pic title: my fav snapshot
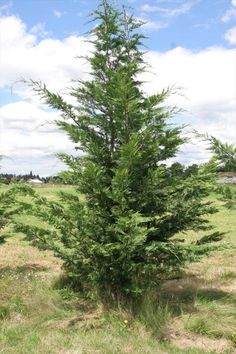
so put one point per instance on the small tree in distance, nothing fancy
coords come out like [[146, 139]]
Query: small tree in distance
[[115, 234], [224, 153]]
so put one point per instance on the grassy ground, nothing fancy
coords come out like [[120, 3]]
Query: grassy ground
[[194, 314]]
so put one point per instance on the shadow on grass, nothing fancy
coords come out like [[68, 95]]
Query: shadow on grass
[[21, 271], [70, 291], [180, 295], [3, 238], [177, 297]]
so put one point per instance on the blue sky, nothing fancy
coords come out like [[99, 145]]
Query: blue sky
[[193, 24], [191, 44]]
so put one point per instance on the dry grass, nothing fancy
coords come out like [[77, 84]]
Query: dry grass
[[17, 253], [37, 317], [204, 304]]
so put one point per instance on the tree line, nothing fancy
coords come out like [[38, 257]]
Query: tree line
[[8, 178]]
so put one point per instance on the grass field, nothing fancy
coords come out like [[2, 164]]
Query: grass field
[[194, 314]]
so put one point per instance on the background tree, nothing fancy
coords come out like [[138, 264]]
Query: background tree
[[224, 153], [191, 170], [115, 233], [225, 157], [177, 169]]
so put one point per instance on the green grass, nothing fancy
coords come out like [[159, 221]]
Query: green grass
[[194, 314]]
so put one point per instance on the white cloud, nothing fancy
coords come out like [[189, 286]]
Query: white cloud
[[52, 61], [207, 78], [58, 13], [169, 1], [5, 8], [230, 35], [13, 33], [207, 81], [25, 132], [182, 9], [150, 25], [30, 139], [149, 8], [27, 117], [39, 30], [154, 25], [229, 15]]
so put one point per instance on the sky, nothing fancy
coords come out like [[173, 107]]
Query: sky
[[191, 45]]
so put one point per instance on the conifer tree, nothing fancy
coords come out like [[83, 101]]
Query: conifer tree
[[115, 234], [224, 153]]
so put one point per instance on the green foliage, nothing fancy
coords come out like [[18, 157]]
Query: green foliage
[[213, 237], [8, 209], [228, 196], [115, 234], [224, 153], [225, 159]]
